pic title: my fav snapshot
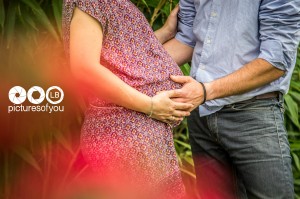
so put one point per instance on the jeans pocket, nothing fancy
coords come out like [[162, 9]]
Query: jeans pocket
[[265, 104], [280, 106]]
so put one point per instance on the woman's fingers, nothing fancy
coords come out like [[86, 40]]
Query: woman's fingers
[[174, 93], [167, 110], [180, 114], [177, 119], [182, 106]]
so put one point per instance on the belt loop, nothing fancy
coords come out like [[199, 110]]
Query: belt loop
[[280, 97]]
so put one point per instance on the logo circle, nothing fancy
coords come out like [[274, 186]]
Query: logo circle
[[17, 95], [61, 95], [36, 89]]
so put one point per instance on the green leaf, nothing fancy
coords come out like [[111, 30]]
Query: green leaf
[[292, 110], [27, 20], [295, 96], [295, 146], [59, 136], [10, 22], [295, 86], [41, 17], [2, 14], [57, 11], [297, 182], [152, 3], [186, 69], [183, 144], [297, 196], [189, 160], [296, 161], [188, 172], [145, 3], [27, 157]]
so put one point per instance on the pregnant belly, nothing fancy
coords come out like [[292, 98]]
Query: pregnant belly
[[149, 89], [152, 88]]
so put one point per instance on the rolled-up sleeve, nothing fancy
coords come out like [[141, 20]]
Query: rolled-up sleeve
[[186, 18], [279, 32]]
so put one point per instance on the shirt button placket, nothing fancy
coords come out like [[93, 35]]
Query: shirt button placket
[[202, 67], [214, 14], [210, 32], [208, 40]]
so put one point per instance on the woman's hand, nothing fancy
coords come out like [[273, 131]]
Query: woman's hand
[[167, 110]]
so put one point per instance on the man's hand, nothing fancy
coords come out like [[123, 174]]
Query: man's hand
[[191, 92], [255, 74], [171, 24], [169, 29]]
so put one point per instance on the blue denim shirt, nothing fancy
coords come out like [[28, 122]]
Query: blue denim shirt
[[228, 34]]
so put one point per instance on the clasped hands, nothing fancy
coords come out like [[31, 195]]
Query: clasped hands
[[173, 105]]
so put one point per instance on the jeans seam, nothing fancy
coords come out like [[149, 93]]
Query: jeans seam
[[209, 127], [217, 129], [236, 186], [218, 137], [279, 142], [247, 109]]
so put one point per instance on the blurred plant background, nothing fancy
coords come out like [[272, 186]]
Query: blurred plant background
[[36, 148]]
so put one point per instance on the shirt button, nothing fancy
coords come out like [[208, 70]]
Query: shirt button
[[213, 14], [208, 41], [202, 67]]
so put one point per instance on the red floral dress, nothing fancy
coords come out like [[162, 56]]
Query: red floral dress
[[115, 139]]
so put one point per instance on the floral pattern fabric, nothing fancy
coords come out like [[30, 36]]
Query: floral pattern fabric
[[115, 138]]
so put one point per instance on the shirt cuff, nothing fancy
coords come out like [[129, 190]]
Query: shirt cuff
[[185, 35], [272, 52]]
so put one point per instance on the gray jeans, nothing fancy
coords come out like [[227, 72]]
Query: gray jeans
[[242, 151]]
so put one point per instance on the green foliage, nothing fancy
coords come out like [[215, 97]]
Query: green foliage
[[156, 11], [25, 25], [292, 122], [28, 17]]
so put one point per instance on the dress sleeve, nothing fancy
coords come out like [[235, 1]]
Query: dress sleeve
[[98, 9]]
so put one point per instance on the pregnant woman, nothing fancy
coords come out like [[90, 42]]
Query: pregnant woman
[[127, 132]]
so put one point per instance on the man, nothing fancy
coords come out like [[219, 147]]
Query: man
[[243, 54]]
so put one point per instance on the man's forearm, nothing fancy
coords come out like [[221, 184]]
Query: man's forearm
[[180, 52], [251, 76], [163, 35]]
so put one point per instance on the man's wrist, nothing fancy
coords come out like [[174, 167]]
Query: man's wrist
[[204, 92], [209, 91], [164, 34], [168, 33]]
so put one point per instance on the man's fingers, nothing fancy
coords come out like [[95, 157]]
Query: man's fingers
[[180, 79], [179, 99], [175, 10]]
